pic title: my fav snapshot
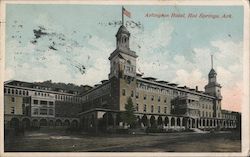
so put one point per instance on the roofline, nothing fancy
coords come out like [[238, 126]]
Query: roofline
[[176, 88], [35, 89], [94, 88]]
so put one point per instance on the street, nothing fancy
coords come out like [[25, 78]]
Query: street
[[44, 141]]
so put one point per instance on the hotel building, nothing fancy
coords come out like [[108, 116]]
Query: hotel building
[[157, 103]]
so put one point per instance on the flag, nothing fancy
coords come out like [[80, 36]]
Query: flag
[[125, 12]]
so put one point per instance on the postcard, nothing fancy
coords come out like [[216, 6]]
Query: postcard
[[124, 78]]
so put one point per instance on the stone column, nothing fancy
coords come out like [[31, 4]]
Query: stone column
[[201, 123], [169, 121], [163, 122]]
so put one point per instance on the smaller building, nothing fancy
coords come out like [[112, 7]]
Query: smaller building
[[33, 104]]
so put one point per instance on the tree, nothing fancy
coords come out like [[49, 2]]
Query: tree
[[128, 115]]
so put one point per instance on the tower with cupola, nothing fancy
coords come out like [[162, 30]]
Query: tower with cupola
[[123, 68], [213, 88]]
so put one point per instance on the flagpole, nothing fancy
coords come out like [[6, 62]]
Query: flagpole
[[122, 17], [212, 64]]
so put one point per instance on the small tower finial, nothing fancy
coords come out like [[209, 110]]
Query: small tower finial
[[212, 64]]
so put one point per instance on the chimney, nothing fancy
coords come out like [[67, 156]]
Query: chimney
[[196, 88]]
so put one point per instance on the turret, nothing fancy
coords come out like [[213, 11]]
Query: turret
[[213, 88]]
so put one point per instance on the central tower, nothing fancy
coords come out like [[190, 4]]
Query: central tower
[[123, 70], [122, 60]]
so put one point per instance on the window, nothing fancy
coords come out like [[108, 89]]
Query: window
[[23, 107], [137, 107], [8, 91], [152, 98], [159, 109], [51, 112], [43, 102], [159, 99], [51, 103], [165, 100], [145, 108], [35, 101], [12, 99], [4, 90], [16, 91], [152, 108], [145, 97], [137, 95], [43, 111], [12, 110], [203, 115], [35, 111], [132, 93], [165, 109], [20, 92], [123, 92], [12, 91]]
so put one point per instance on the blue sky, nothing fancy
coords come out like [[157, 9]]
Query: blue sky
[[172, 49]]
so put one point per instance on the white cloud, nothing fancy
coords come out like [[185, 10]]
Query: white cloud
[[32, 65], [190, 79]]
